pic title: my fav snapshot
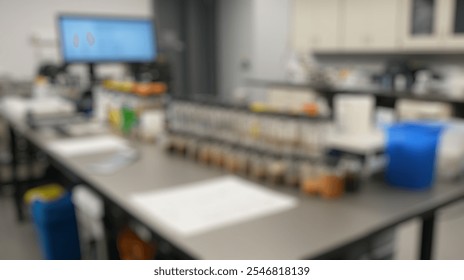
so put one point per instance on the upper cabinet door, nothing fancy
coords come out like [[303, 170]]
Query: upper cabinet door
[[316, 25], [370, 25], [423, 23], [454, 30]]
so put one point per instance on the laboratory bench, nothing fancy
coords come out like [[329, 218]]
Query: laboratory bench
[[315, 229]]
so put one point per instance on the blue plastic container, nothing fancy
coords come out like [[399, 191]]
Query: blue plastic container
[[411, 148], [56, 225]]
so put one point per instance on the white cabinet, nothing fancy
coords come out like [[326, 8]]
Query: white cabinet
[[378, 25], [454, 24], [370, 24], [316, 25], [436, 25], [345, 25], [422, 24]]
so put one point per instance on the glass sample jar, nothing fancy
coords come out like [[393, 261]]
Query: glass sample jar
[[257, 168], [276, 170], [229, 160], [177, 144], [332, 183], [220, 155], [191, 148], [310, 178], [235, 161], [226, 156], [183, 145], [353, 173], [203, 152], [292, 177], [242, 162], [215, 155], [170, 143]]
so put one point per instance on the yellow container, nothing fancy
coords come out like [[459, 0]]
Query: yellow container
[[45, 193]]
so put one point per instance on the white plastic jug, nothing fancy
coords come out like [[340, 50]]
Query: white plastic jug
[[354, 114], [90, 212]]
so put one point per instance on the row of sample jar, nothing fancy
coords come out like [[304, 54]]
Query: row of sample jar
[[265, 147], [327, 177], [276, 134]]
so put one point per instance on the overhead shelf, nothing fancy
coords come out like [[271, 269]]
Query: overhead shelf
[[384, 97], [211, 101], [431, 96]]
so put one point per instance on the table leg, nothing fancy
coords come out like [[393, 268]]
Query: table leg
[[428, 227], [30, 157], [14, 174]]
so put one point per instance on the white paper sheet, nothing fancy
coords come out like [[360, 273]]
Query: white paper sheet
[[85, 129], [203, 206], [88, 145]]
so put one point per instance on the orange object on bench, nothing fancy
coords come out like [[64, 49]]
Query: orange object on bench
[[131, 247]]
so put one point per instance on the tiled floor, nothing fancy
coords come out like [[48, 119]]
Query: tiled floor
[[19, 240]]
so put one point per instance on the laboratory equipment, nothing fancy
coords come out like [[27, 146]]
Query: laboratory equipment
[[97, 39], [411, 148]]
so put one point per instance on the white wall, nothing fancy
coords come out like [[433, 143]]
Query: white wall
[[22, 20]]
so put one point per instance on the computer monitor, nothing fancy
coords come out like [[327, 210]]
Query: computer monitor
[[94, 39], [97, 39]]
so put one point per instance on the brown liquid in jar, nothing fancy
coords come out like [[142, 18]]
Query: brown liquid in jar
[[257, 171], [332, 187], [276, 172], [311, 185]]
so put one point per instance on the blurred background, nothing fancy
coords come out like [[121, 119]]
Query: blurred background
[[320, 96]]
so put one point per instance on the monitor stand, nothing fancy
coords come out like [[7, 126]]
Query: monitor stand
[[85, 104], [92, 76]]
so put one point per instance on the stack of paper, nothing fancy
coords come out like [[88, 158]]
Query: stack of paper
[[88, 145], [207, 205]]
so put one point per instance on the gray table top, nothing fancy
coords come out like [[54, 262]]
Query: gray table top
[[316, 226]]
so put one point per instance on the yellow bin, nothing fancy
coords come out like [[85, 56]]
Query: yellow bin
[[47, 192]]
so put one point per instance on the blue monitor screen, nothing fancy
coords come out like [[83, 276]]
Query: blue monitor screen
[[92, 39]]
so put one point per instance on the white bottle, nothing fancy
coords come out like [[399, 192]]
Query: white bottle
[[41, 88]]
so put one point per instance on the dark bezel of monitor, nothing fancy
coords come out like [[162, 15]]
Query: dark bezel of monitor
[[109, 17]]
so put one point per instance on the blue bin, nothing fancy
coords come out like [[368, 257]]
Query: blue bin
[[56, 225], [411, 148]]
